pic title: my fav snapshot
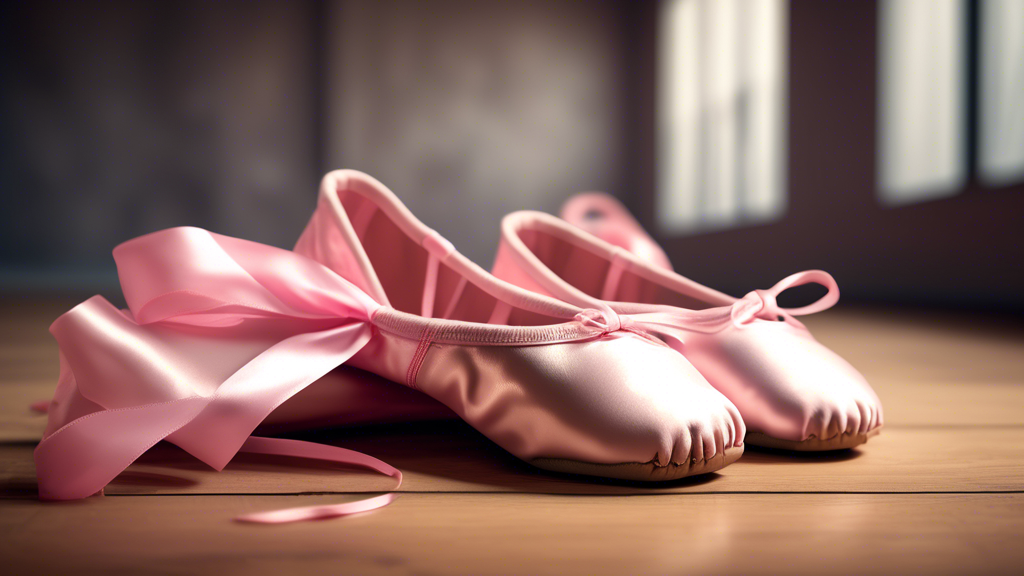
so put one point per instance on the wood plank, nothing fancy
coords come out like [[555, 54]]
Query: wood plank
[[892, 345], [905, 403], [454, 458], [489, 534], [932, 368], [950, 403], [28, 353], [18, 422]]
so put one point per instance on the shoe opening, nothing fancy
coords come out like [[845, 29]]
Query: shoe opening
[[434, 282], [601, 270]]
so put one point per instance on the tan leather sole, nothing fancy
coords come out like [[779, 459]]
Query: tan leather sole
[[812, 444], [643, 471]]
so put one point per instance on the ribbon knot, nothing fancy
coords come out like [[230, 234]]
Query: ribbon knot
[[604, 320], [669, 323]]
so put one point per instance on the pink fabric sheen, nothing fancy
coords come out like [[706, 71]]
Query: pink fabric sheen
[[219, 332], [541, 382], [785, 383], [392, 247], [605, 217]]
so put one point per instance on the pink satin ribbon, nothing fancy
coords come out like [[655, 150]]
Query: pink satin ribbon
[[219, 332], [298, 448], [756, 304]]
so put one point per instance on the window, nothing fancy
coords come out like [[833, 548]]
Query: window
[[922, 99], [721, 106], [951, 96], [1001, 135]]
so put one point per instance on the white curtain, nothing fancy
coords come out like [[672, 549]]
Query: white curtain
[[922, 99], [721, 113], [1001, 137]]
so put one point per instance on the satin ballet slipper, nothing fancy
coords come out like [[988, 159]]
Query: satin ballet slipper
[[562, 387], [793, 392]]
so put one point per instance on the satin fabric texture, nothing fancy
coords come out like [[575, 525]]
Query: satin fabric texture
[[792, 391], [222, 335], [539, 377], [220, 332]]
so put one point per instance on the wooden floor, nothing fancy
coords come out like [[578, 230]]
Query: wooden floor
[[940, 491]]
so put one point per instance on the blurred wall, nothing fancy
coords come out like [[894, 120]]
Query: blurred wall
[[470, 110], [121, 118], [962, 251]]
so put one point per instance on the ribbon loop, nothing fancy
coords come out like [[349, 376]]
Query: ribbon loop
[[764, 304], [667, 322], [808, 277]]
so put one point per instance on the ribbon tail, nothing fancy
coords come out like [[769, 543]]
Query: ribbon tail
[[252, 393], [301, 449], [81, 458], [323, 512], [127, 390], [312, 450]]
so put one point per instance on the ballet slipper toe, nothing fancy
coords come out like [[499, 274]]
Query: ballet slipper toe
[[643, 471], [699, 448], [795, 393], [651, 418]]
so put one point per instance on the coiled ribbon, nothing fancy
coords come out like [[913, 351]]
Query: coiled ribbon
[[218, 333]]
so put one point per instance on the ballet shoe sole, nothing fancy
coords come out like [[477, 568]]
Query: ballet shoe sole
[[840, 442], [642, 471]]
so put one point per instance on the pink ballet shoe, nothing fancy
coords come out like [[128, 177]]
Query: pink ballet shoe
[[792, 392], [605, 217], [221, 334], [563, 388]]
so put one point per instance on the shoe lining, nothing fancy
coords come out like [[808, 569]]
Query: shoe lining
[[595, 275], [407, 272]]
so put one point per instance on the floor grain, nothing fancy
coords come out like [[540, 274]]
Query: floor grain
[[940, 491], [527, 534]]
